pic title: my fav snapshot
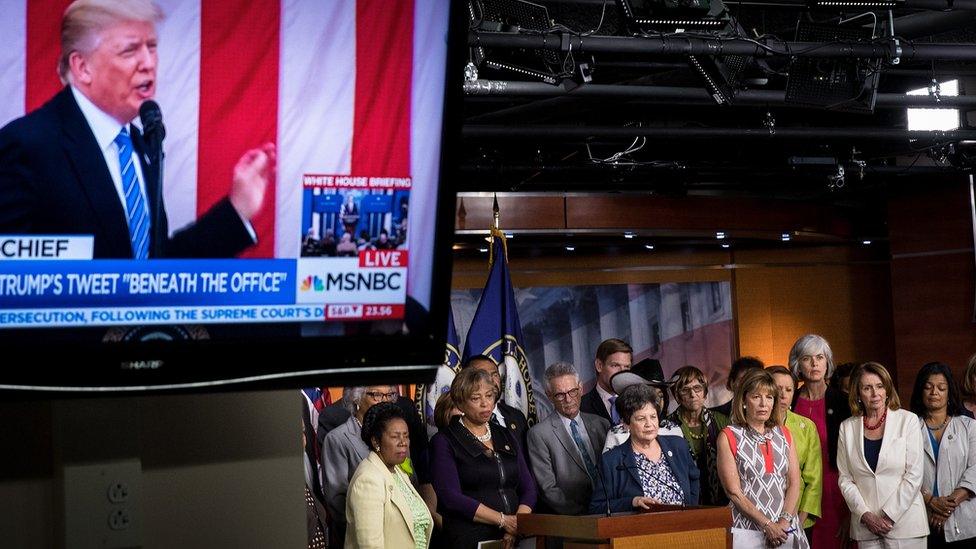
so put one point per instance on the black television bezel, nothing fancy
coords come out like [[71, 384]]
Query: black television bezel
[[273, 362]]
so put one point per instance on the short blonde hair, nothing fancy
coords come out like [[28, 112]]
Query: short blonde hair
[[752, 381], [854, 397], [84, 19]]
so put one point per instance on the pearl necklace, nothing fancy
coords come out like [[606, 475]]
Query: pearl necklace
[[481, 438]]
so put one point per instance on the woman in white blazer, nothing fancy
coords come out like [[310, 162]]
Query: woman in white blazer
[[949, 439], [879, 460], [382, 508]]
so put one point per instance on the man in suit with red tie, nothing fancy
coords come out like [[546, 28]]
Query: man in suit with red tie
[[79, 166]]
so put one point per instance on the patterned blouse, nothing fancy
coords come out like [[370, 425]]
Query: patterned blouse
[[763, 463], [657, 480], [421, 516]]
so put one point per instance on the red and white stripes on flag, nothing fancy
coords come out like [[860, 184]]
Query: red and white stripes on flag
[[342, 87]]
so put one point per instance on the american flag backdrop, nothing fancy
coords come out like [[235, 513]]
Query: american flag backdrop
[[342, 86]]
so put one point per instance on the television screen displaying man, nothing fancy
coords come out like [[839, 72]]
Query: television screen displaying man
[[80, 166]]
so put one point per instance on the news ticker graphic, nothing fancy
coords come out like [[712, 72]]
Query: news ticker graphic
[[161, 291]]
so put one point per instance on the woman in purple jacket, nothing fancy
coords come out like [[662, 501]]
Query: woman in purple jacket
[[478, 469]]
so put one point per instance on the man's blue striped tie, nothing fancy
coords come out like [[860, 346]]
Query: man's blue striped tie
[[135, 204], [578, 439]]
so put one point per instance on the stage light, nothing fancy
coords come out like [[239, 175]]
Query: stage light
[[509, 235], [649, 246], [726, 246], [628, 235], [842, 84], [570, 248], [513, 16], [866, 242], [785, 237], [720, 235], [857, 4], [674, 14], [483, 250]]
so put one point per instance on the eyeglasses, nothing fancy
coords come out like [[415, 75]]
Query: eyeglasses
[[382, 396], [572, 393], [696, 389]]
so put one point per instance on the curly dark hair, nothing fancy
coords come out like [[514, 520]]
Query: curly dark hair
[[634, 398], [376, 419], [953, 400]]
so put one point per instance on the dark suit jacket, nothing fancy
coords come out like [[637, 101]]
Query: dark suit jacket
[[591, 403], [623, 483], [335, 414], [53, 180], [515, 422]]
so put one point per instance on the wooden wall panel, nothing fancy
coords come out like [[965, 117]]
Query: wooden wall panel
[[932, 278], [517, 212], [849, 305]]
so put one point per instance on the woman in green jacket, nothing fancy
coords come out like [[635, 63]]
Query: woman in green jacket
[[808, 452]]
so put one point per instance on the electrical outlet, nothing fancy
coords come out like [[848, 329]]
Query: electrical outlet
[[102, 504], [118, 492], [119, 519]]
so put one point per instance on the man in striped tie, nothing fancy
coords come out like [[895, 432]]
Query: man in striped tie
[[78, 165], [565, 448]]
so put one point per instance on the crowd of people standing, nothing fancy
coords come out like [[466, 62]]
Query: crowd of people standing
[[806, 455]]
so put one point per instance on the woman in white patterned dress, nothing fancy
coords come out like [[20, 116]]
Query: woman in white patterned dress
[[758, 468]]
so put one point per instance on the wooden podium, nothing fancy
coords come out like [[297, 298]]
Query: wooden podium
[[666, 526]]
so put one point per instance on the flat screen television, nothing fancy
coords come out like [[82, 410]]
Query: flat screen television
[[346, 277]]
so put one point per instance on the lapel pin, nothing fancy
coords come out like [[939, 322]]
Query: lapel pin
[[830, 411], [950, 437], [506, 447], [512, 426], [670, 454]]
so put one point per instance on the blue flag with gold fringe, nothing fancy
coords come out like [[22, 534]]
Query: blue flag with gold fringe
[[497, 333], [427, 395]]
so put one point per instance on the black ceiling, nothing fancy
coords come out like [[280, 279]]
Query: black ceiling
[[645, 122]]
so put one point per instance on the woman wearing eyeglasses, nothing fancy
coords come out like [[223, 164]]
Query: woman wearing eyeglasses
[[343, 450], [700, 428]]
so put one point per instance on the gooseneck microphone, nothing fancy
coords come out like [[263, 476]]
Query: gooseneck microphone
[[603, 484], [153, 133], [623, 467]]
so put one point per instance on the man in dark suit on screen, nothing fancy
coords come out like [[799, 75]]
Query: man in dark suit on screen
[[79, 166], [612, 356]]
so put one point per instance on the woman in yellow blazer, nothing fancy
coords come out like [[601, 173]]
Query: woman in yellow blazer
[[808, 453], [881, 462], [382, 508]]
